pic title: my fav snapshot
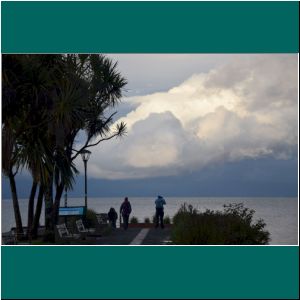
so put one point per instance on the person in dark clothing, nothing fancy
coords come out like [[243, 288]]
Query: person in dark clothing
[[159, 216], [125, 211], [112, 217]]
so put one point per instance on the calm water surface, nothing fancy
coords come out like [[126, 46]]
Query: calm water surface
[[280, 214]]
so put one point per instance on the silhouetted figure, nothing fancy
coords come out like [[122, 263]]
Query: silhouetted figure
[[125, 211], [112, 217], [159, 205]]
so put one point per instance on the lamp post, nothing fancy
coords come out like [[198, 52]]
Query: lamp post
[[66, 198], [85, 154], [66, 205]]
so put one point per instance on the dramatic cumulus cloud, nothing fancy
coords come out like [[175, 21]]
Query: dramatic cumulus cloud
[[246, 108]]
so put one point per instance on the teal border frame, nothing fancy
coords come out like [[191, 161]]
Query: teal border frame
[[150, 27], [92, 272], [135, 272]]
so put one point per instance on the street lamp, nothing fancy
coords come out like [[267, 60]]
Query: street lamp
[[85, 154], [66, 198]]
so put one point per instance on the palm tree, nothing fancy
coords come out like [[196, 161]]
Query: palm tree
[[95, 85], [57, 96], [26, 90]]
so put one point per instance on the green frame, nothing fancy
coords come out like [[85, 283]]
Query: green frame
[[150, 27]]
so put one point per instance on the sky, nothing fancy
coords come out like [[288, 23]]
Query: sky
[[201, 124]]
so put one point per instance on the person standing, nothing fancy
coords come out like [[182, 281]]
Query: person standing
[[125, 211], [159, 205], [112, 217]]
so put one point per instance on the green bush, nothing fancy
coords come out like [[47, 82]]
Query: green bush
[[91, 219], [134, 220], [232, 226], [147, 220], [167, 220]]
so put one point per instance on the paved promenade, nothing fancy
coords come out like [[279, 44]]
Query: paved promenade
[[137, 236], [119, 236]]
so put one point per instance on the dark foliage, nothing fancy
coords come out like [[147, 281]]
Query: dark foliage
[[232, 226]]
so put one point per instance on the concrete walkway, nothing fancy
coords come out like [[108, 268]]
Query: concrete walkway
[[158, 236], [140, 237], [136, 236], [119, 236]]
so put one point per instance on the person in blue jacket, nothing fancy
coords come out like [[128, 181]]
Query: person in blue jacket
[[159, 205]]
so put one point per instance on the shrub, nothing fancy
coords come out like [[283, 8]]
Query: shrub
[[134, 220], [147, 220], [167, 220], [232, 226], [91, 219]]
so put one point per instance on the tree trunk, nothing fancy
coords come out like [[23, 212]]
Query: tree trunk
[[31, 208], [38, 210], [49, 235], [59, 191], [18, 218], [49, 224]]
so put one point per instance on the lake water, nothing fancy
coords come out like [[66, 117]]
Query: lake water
[[280, 214]]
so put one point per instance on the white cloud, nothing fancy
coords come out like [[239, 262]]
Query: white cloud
[[149, 73], [245, 108]]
